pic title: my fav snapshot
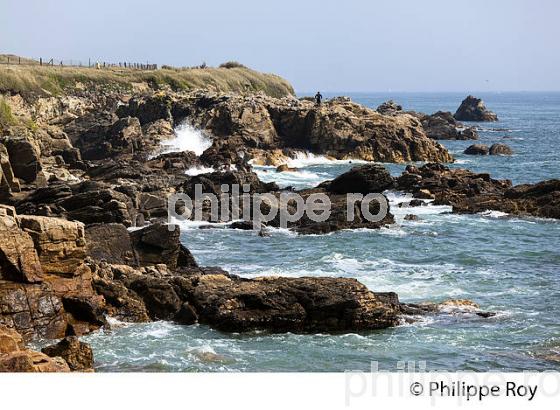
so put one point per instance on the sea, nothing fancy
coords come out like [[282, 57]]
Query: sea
[[508, 265]]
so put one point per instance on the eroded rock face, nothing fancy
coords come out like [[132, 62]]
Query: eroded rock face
[[8, 181], [60, 244], [123, 137], [339, 127], [76, 354], [18, 257], [473, 109], [14, 357], [45, 287]]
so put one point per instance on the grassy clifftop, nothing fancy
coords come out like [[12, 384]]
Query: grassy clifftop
[[58, 80]]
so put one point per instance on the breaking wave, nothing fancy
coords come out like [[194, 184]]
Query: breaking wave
[[187, 138]]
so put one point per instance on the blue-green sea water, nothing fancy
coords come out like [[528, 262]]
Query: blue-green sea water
[[506, 264]]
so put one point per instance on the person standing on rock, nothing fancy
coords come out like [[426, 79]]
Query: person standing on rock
[[318, 98]]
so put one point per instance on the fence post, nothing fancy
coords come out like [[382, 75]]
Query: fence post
[[40, 60]]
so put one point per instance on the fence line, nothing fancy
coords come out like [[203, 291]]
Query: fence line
[[78, 63]]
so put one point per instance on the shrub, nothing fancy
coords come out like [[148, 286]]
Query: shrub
[[232, 64]]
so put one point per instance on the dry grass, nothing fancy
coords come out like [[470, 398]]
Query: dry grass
[[24, 79]]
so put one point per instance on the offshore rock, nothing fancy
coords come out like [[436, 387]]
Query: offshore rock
[[473, 109]]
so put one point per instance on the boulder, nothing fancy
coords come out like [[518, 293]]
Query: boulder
[[158, 295], [363, 179], [473, 109], [24, 158], [477, 149], [156, 244], [500, 149], [285, 168], [110, 243], [78, 355]]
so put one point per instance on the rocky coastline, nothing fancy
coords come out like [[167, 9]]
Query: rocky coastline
[[83, 210]]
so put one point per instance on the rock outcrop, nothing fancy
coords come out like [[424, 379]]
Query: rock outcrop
[[45, 286], [469, 192], [443, 126], [363, 179], [14, 357], [473, 109], [339, 128]]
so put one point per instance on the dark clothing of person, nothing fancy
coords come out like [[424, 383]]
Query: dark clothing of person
[[318, 98]]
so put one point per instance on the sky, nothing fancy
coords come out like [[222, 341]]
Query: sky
[[352, 45]]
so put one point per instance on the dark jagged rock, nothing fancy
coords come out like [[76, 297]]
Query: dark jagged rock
[[443, 126], [122, 137], [24, 158], [389, 108], [160, 243], [211, 183], [287, 304], [500, 149], [363, 179], [473, 109], [147, 109], [158, 295], [99, 206], [469, 192], [110, 243], [477, 149]]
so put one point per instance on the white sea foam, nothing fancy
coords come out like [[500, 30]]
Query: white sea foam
[[187, 138], [494, 214], [305, 159], [298, 179], [198, 170]]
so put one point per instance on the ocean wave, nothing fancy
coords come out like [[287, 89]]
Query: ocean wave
[[297, 178], [187, 138]]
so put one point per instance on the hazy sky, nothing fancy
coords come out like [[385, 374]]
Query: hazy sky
[[366, 45]]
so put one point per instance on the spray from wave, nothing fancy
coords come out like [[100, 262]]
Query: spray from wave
[[187, 138]]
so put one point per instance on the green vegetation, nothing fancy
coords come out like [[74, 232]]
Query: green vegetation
[[6, 116], [27, 79]]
